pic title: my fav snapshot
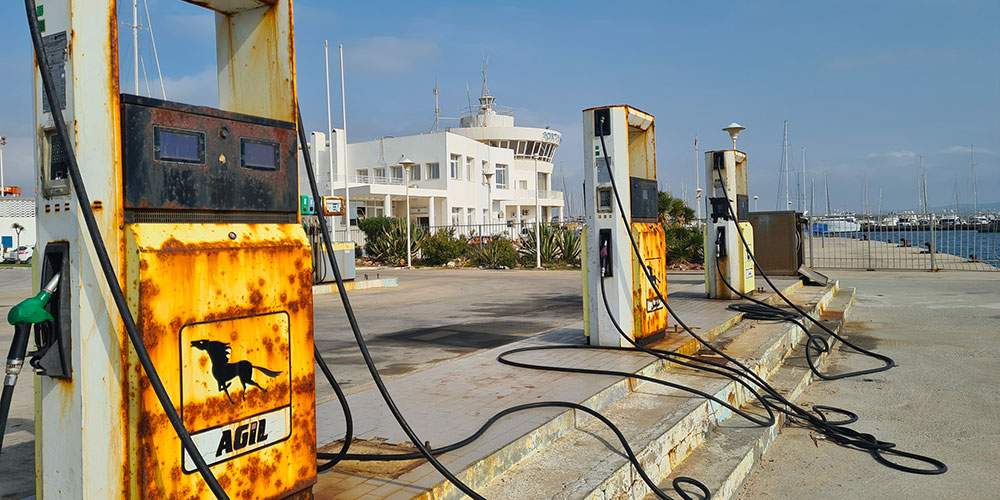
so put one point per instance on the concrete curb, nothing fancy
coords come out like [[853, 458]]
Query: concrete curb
[[354, 285]]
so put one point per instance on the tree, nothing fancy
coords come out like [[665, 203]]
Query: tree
[[17, 229], [673, 210]]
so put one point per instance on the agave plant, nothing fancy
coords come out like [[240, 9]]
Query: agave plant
[[548, 247], [568, 243], [389, 245]]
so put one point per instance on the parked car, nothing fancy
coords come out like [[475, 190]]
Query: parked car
[[25, 253], [10, 255]]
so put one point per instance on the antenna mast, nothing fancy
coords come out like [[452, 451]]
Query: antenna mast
[[437, 108], [975, 192]]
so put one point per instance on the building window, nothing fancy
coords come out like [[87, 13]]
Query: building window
[[397, 174], [453, 164], [486, 216], [470, 214], [433, 171], [501, 176], [380, 175], [468, 168], [542, 182], [520, 148], [415, 173], [523, 185], [456, 216], [363, 175]]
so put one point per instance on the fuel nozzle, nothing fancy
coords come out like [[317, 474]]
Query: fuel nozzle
[[32, 309], [29, 312]]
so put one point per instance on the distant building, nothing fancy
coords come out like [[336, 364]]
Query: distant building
[[17, 211], [448, 185]]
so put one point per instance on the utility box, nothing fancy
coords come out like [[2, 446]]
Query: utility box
[[611, 263], [778, 241]]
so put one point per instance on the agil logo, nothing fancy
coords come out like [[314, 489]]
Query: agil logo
[[246, 434]]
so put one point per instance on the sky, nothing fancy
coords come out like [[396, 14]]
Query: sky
[[867, 88]]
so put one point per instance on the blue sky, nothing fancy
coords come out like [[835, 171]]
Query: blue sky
[[865, 86]]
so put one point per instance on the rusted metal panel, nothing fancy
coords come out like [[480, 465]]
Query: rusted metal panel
[[226, 313], [649, 314], [218, 171]]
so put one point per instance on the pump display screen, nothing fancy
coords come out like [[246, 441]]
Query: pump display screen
[[184, 146], [260, 154]]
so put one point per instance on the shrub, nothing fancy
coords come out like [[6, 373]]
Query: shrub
[[568, 243], [443, 247], [374, 227], [684, 245], [548, 247], [498, 253], [387, 245]]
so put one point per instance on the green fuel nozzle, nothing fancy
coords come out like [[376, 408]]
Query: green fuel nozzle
[[32, 309]]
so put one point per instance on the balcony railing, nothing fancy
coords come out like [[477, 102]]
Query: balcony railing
[[372, 179]]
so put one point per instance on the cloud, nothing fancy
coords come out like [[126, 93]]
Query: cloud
[[900, 57], [893, 155], [388, 55], [201, 88]]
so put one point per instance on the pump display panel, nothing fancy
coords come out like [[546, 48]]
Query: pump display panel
[[180, 157]]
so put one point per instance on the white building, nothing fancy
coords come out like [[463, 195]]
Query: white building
[[17, 211], [483, 175]]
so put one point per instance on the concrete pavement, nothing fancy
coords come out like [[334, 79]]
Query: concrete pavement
[[942, 400]]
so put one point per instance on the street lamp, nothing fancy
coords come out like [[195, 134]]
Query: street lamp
[[3, 187], [755, 198], [407, 163], [698, 196], [488, 174], [734, 130], [538, 220]]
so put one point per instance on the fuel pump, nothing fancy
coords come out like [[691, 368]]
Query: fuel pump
[[725, 252], [629, 137], [198, 210]]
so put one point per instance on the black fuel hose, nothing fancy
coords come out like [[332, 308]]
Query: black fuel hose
[[15, 360], [356, 329], [814, 343], [105, 260], [836, 431]]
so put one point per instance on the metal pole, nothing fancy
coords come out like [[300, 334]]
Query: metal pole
[[347, 186], [409, 254], [538, 221], [809, 220], [329, 132], [3, 187], [929, 217]]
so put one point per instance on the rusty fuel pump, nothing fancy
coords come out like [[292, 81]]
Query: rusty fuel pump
[[629, 139], [192, 216]]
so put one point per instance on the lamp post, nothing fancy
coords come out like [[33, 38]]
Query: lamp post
[[698, 203], [407, 163], [755, 198], [488, 174], [538, 220], [3, 187], [734, 130]]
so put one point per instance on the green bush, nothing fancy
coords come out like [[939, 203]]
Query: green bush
[[568, 243], [684, 245], [549, 248], [374, 228], [443, 247], [498, 253], [387, 243]]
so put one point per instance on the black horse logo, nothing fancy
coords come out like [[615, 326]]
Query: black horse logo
[[224, 371]]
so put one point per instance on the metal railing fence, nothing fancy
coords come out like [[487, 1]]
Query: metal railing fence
[[476, 233], [966, 242]]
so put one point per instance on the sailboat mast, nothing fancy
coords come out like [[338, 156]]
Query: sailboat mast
[[784, 149], [826, 182], [975, 193], [135, 44]]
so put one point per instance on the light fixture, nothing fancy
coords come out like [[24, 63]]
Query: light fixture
[[734, 130]]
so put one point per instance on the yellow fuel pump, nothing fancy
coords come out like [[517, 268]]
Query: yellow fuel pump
[[725, 255], [199, 210], [610, 263]]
